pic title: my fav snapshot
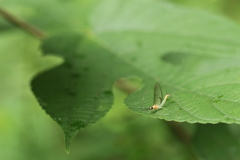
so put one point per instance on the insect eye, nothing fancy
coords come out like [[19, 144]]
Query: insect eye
[[150, 108]]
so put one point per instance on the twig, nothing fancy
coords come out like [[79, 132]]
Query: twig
[[125, 86], [182, 135], [179, 132], [21, 24]]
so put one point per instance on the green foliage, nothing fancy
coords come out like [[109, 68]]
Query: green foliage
[[216, 142], [194, 56], [194, 60]]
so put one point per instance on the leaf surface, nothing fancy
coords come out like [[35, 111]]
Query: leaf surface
[[193, 55]]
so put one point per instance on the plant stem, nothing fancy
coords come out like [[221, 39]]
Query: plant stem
[[23, 25], [125, 86], [179, 132]]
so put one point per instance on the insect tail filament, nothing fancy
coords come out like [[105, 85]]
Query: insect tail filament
[[164, 100]]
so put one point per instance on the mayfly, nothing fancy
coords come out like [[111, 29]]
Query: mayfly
[[158, 100]]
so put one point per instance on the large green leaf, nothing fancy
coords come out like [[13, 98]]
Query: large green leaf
[[194, 56]]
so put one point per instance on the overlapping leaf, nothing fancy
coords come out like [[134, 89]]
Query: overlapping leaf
[[195, 55]]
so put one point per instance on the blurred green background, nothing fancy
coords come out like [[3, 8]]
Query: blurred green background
[[26, 132]]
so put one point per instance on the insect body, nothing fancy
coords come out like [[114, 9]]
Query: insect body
[[158, 100]]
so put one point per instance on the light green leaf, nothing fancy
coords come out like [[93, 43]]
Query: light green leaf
[[216, 142], [194, 55]]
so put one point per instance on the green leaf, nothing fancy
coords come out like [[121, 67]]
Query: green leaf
[[78, 92], [194, 55], [216, 142]]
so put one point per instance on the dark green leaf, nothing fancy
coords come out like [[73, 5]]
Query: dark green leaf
[[78, 92]]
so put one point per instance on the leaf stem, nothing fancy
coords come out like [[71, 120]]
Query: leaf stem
[[23, 25], [182, 135]]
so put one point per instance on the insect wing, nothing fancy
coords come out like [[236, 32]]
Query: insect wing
[[158, 96]]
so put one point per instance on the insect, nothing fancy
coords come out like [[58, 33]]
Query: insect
[[158, 100]]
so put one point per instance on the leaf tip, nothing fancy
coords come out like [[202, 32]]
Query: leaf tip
[[67, 144]]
